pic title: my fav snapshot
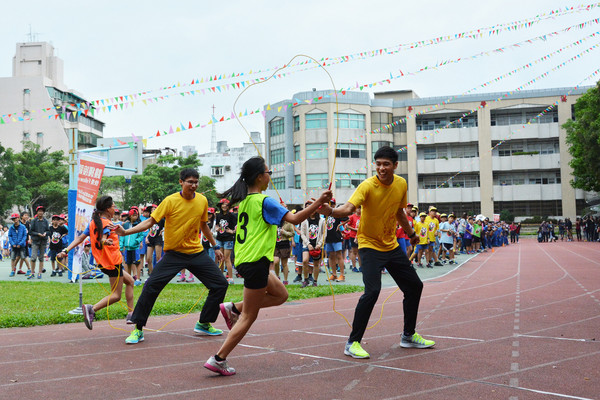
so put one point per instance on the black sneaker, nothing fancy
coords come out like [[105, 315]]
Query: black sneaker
[[59, 273], [438, 264], [297, 279], [429, 266], [53, 273]]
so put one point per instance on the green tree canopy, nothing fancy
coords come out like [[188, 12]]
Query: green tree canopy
[[583, 136], [33, 177], [156, 182]]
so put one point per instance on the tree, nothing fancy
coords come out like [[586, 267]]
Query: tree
[[162, 179], [583, 136], [115, 186], [33, 177], [506, 216]]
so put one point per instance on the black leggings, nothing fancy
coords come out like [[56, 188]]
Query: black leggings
[[400, 269]]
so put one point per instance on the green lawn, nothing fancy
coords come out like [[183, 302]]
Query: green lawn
[[47, 303]]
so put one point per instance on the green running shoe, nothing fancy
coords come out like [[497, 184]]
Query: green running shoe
[[416, 341], [135, 337], [207, 329], [355, 350]]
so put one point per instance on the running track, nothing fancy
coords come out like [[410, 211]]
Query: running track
[[520, 323]]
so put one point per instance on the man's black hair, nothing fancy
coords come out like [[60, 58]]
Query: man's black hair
[[188, 173], [386, 152]]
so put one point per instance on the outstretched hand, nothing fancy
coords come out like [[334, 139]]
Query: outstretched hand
[[118, 229]]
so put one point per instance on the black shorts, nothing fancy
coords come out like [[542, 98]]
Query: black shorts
[[468, 242], [476, 239], [117, 271], [156, 241], [354, 243], [255, 274], [448, 246], [132, 257]]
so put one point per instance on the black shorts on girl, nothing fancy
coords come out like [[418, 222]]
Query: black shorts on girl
[[114, 272], [255, 274]]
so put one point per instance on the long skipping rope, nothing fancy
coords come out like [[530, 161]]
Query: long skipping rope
[[332, 169], [126, 307]]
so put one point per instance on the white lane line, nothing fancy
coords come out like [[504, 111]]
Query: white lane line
[[456, 338], [559, 338], [319, 333]]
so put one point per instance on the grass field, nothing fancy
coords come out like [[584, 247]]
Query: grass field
[[47, 303]]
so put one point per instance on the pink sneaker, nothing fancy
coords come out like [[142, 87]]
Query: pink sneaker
[[220, 367]]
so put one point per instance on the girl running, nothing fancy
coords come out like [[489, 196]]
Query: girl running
[[258, 218], [105, 249]]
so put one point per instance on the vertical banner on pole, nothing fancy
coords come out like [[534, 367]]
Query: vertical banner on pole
[[90, 174]]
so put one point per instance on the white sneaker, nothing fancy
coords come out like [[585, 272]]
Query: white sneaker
[[228, 314]]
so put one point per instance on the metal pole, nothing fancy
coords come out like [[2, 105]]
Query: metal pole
[[72, 199]]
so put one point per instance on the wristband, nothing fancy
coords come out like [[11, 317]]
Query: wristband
[[413, 235], [217, 247]]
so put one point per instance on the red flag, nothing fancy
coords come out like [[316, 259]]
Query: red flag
[[157, 133], [190, 126]]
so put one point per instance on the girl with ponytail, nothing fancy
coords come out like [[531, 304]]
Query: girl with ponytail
[[255, 237], [105, 249]]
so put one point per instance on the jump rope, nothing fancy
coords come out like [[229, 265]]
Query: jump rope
[[321, 65]]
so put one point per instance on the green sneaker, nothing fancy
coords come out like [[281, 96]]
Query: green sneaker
[[207, 329], [416, 341], [135, 337], [355, 350]]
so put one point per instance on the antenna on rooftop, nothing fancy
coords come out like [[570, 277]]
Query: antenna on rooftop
[[32, 35], [213, 137]]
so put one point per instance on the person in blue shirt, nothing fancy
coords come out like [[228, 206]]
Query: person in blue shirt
[[17, 236]]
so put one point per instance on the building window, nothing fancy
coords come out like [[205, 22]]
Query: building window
[[400, 127], [296, 152], [296, 123], [522, 117], [317, 180], [297, 182], [316, 121], [464, 152], [381, 120], [402, 153], [433, 153], [276, 127], [279, 182], [25, 135], [119, 164], [40, 139], [216, 170], [277, 156], [430, 123], [26, 91], [316, 151], [349, 121], [448, 181], [349, 180], [377, 145], [351, 150]]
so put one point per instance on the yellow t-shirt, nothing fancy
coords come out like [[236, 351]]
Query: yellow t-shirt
[[421, 231], [433, 225], [380, 203], [182, 222]]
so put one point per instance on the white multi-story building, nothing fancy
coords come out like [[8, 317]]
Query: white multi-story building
[[32, 94], [224, 165], [499, 157]]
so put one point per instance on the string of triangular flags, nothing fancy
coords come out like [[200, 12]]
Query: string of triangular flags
[[124, 101]]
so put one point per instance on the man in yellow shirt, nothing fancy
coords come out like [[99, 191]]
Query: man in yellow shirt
[[433, 226], [383, 199], [186, 214]]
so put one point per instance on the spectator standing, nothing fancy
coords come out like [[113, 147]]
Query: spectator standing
[[333, 246], [17, 236], [226, 223], [56, 233], [39, 233]]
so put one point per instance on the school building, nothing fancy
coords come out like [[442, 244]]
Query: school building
[[481, 153]]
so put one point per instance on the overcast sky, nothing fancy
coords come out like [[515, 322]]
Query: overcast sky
[[118, 48]]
